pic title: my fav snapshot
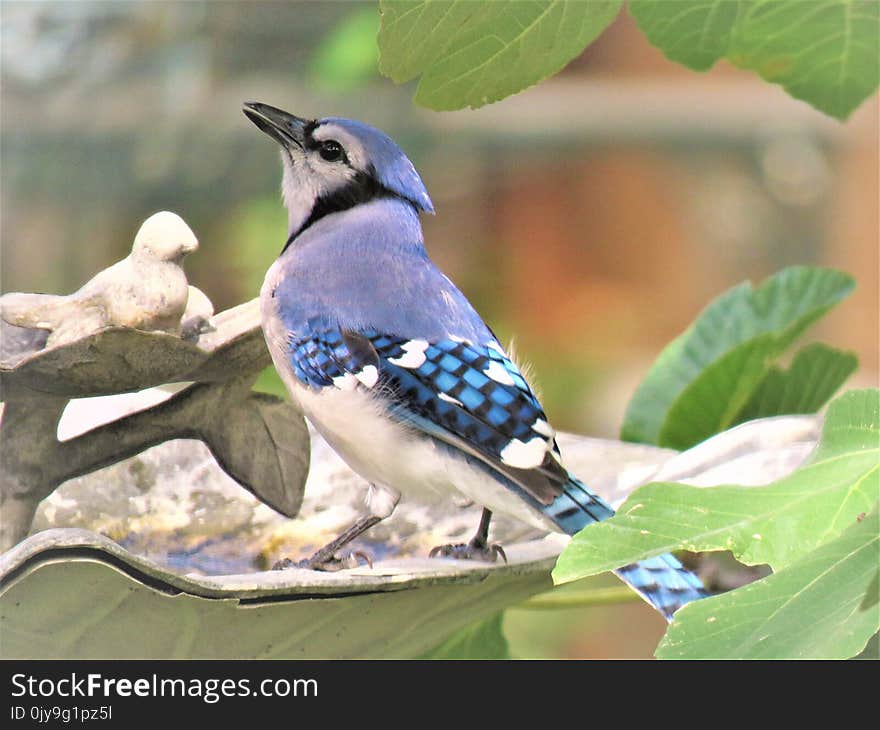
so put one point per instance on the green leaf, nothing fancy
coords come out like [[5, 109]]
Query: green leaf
[[824, 52], [695, 33], [482, 640], [824, 606], [709, 374], [776, 524], [816, 373], [473, 53]]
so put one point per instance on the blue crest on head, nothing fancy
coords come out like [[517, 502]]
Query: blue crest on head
[[392, 167]]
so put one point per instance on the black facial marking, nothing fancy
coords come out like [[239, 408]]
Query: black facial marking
[[329, 149], [308, 130], [362, 188]]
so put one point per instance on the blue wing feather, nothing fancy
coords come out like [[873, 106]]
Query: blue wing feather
[[447, 393]]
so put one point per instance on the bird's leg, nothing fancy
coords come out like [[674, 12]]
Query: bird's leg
[[381, 501], [477, 549], [325, 558]]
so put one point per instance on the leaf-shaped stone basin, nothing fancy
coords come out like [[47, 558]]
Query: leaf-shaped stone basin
[[116, 604], [68, 592]]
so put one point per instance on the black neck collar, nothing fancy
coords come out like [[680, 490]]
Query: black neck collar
[[362, 188]]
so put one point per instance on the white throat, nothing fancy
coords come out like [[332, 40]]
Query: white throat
[[306, 179], [299, 194]]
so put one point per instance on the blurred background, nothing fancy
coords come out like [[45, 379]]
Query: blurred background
[[589, 218]]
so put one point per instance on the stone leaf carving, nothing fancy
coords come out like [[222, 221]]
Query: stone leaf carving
[[259, 440]]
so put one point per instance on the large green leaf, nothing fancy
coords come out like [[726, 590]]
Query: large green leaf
[[472, 53], [824, 52], [705, 378], [695, 33], [824, 606], [816, 373], [482, 640], [776, 524]]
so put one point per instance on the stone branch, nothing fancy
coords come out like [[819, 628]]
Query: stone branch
[[136, 325]]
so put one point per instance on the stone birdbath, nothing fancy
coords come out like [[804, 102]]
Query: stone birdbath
[[146, 489]]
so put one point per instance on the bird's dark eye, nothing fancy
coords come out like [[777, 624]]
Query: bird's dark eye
[[331, 150]]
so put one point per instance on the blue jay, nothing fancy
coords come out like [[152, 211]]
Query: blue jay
[[394, 367]]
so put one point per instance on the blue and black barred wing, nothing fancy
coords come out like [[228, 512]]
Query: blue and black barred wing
[[474, 398], [468, 395], [327, 357]]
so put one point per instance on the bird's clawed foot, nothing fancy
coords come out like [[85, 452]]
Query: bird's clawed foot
[[325, 564], [479, 548], [473, 550], [327, 558]]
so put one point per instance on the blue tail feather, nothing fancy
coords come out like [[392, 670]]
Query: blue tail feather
[[661, 580]]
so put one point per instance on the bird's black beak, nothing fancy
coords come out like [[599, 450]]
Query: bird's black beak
[[285, 128]]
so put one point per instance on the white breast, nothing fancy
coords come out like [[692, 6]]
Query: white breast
[[388, 453]]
